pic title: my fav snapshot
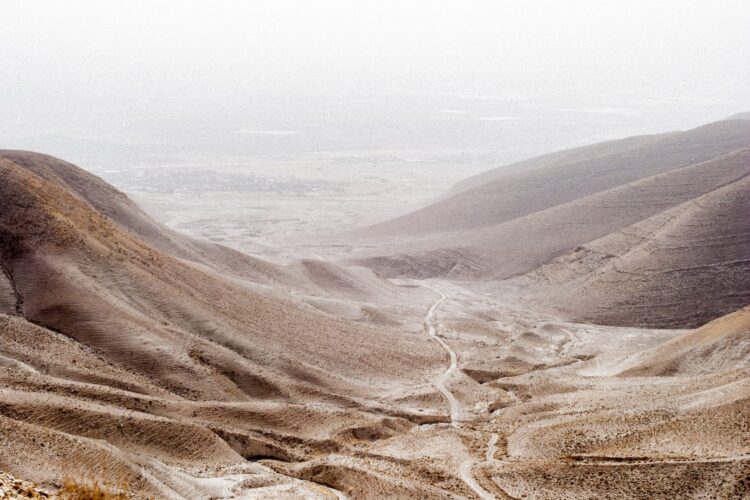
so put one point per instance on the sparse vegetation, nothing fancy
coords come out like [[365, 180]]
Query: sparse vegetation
[[74, 489]]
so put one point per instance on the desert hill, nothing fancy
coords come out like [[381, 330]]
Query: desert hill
[[510, 192], [682, 267], [132, 354], [525, 219], [78, 271], [627, 415], [116, 206], [719, 346], [301, 278], [120, 338]]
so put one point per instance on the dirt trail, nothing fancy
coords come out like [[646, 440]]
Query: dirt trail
[[468, 478], [457, 414], [467, 466], [439, 382], [492, 448]]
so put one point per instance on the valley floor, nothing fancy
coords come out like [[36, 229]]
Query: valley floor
[[529, 406], [524, 405]]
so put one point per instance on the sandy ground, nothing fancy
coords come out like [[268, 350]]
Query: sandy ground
[[132, 354]]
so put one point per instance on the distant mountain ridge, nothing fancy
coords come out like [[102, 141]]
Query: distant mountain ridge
[[740, 116]]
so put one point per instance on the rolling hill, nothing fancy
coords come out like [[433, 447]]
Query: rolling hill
[[545, 356], [126, 344], [517, 220]]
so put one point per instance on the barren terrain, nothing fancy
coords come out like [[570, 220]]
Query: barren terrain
[[581, 337]]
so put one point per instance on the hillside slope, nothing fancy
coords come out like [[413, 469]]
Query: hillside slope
[[679, 268], [506, 193], [550, 218], [719, 346], [125, 349], [117, 207], [79, 272]]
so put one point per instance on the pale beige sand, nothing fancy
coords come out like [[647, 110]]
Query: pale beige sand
[[135, 355]]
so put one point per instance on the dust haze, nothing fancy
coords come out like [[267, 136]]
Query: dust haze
[[98, 82], [375, 249]]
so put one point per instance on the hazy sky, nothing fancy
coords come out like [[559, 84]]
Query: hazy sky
[[103, 78]]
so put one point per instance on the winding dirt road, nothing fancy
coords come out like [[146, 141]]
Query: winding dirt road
[[468, 478], [467, 465], [457, 414], [491, 448], [439, 382]]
